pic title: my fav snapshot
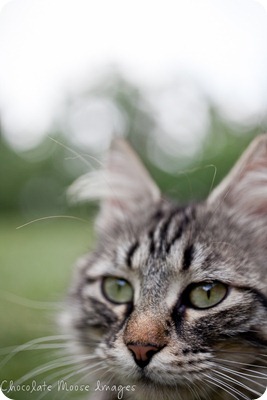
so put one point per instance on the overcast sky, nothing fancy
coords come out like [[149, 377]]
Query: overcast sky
[[48, 47]]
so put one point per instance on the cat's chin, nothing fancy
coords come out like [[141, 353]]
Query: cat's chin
[[158, 381], [147, 389]]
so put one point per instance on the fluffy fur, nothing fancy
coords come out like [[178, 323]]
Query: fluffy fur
[[163, 250]]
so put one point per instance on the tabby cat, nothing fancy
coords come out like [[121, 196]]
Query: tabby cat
[[172, 304]]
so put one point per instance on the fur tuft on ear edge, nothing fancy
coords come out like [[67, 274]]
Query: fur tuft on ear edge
[[123, 186], [245, 187]]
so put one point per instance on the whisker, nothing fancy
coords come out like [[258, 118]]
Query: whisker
[[78, 155], [68, 376], [8, 350], [86, 375], [231, 390], [52, 217], [250, 353], [22, 301], [242, 374], [214, 176], [212, 388], [28, 345], [57, 374], [68, 360], [240, 363], [192, 390], [203, 390], [216, 384], [241, 384]]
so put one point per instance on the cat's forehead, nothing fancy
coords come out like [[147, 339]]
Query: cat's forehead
[[180, 243], [186, 259]]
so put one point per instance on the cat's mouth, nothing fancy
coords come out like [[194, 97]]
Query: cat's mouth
[[150, 378], [158, 383], [144, 377]]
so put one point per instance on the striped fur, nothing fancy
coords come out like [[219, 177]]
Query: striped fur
[[163, 250]]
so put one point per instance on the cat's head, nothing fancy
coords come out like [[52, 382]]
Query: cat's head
[[174, 299]]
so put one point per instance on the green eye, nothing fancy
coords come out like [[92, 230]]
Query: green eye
[[117, 290], [206, 295]]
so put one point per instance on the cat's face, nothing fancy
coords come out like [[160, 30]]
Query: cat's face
[[173, 300]]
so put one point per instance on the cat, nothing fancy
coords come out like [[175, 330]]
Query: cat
[[172, 303]]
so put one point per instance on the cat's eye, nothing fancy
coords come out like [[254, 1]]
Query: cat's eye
[[117, 290], [206, 295]]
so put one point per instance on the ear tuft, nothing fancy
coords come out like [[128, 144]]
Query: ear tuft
[[245, 188], [124, 186]]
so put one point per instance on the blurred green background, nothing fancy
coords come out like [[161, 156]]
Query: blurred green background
[[36, 259]]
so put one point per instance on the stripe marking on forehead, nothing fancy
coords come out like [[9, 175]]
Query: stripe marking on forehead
[[188, 257], [130, 253], [165, 233]]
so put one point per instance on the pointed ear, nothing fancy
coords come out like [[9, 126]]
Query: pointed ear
[[245, 188], [124, 186]]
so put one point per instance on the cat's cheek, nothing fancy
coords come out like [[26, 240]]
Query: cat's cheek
[[122, 367]]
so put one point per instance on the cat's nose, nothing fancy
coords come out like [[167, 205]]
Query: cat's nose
[[143, 353]]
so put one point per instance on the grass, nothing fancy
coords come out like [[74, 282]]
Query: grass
[[36, 264]]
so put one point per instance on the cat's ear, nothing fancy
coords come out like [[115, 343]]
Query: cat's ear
[[123, 185], [245, 187]]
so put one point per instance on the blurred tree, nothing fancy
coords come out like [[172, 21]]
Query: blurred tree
[[35, 182]]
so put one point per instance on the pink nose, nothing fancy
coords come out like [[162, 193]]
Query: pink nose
[[143, 353]]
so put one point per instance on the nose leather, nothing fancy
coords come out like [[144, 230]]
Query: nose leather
[[143, 353]]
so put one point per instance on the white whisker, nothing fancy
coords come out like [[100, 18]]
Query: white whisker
[[52, 217], [240, 363], [30, 344], [256, 374], [61, 362], [34, 304], [227, 388], [238, 383], [70, 375]]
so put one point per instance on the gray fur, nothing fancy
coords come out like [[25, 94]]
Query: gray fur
[[162, 249]]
